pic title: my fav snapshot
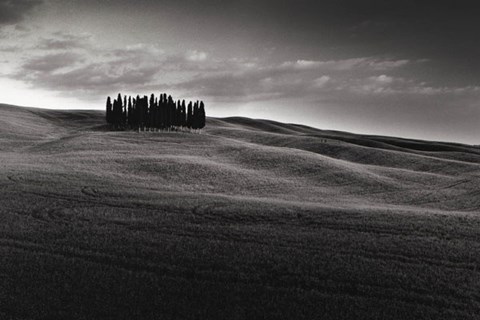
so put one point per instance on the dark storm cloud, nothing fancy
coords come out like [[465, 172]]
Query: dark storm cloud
[[305, 18], [14, 11], [442, 31]]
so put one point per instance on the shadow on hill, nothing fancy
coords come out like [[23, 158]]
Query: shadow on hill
[[267, 125], [370, 141], [74, 119]]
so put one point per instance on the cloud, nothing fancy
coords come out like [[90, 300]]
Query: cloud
[[51, 62], [98, 78], [63, 41], [346, 64], [303, 64], [196, 56], [321, 81], [425, 89], [377, 85], [244, 81], [386, 64], [70, 72], [14, 11], [384, 85], [9, 48], [76, 65], [383, 79]]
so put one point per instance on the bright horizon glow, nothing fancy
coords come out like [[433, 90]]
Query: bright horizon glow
[[18, 94]]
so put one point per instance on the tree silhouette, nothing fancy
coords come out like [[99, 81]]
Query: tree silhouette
[[150, 111], [124, 115], [171, 113], [201, 116], [167, 113], [109, 110], [195, 122], [190, 115], [140, 113], [129, 113], [178, 114], [118, 112], [145, 112], [161, 112], [133, 114], [184, 115], [154, 113]]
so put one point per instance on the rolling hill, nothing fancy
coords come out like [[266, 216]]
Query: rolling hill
[[252, 219]]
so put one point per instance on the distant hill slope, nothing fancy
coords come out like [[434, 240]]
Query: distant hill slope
[[322, 165], [251, 218]]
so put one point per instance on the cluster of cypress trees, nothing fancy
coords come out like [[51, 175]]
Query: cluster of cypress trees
[[156, 113]]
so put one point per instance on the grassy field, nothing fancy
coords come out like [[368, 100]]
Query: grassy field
[[251, 219]]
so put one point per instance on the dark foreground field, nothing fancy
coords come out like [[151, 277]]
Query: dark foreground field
[[250, 220]]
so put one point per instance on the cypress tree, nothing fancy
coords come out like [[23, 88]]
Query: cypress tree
[[119, 111], [195, 124], [161, 112], [124, 116], [112, 113], [167, 114], [134, 114], [158, 114], [109, 110], [153, 114], [115, 113], [151, 111], [178, 114], [139, 112], [145, 112], [190, 115], [175, 113], [171, 112], [119, 99], [165, 111], [129, 114], [201, 116], [184, 115]]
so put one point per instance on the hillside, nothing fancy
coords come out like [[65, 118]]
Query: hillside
[[250, 219]]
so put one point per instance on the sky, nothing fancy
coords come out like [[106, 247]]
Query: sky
[[399, 68]]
